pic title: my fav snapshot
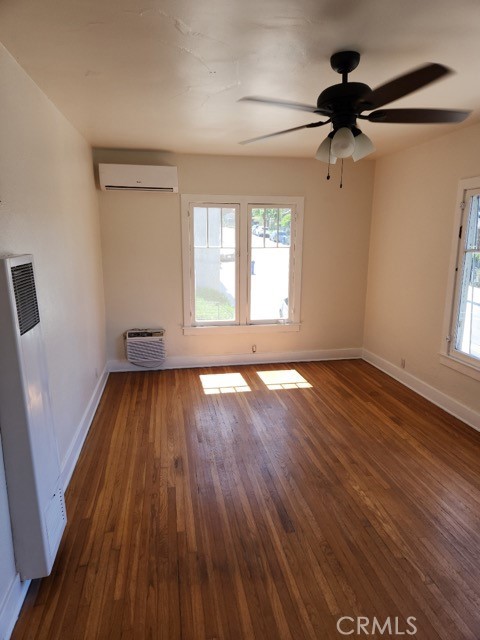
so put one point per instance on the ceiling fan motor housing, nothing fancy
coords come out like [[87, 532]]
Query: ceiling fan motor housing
[[344, 102]]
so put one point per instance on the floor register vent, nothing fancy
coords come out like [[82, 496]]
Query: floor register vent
[[145, 347]]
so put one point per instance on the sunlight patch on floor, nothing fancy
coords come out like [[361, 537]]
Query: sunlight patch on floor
[[283, 379], [223, 383]]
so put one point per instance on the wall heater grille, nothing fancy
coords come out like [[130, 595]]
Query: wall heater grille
[[25, 297], [145, 347]]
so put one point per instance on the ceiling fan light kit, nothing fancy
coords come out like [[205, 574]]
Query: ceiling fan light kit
[[342, 104], [363, 147], [343, 143], [324, 152]]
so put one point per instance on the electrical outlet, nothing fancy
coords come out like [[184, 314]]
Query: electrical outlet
[[254, 348]]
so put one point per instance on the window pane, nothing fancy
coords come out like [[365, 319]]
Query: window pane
[[214, 264], [285, 221], [473, 227], [214, 227], [257, 220], [468, 326], [200, 226], [228, 228], [270, 263]]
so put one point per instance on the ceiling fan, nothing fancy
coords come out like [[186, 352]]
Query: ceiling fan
[[342, 104]]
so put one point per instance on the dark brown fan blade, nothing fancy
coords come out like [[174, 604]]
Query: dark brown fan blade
[[286, 104], [279, 133], [403, 85], [413, 116]]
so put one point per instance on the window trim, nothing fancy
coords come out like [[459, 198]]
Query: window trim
[[449, 355], [243, 255]]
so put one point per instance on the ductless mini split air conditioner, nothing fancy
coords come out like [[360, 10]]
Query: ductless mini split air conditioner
[[136, 177]]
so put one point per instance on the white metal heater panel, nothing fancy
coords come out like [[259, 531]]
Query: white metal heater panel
[[26, 422]]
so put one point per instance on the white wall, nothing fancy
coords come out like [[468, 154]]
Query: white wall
[[49, 208], [141, 241], [412, 226]]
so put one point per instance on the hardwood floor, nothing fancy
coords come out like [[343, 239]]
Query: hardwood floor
[[266, 514]]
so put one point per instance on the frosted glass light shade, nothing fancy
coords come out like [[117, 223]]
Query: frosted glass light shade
[[324, 152], [363, 146], [343, 143]]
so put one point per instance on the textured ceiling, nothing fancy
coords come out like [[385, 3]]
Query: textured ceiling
[[167, 75]]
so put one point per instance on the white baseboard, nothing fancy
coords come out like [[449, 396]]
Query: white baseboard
[[187, 362], [75, 448], [11, 605], [439, 398]]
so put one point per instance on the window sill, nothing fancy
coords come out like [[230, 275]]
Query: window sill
[[236, 328], [459, 365]]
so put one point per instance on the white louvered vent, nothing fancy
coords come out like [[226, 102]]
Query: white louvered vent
[[145, 347]]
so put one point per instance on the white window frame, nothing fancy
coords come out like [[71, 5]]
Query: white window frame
[[242, 324], [190, 249], [449, 355]]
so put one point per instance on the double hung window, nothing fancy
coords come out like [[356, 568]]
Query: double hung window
[[241, 262], [463, 337]]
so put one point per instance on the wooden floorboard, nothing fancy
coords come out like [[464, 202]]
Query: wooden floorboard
[[267, 513]]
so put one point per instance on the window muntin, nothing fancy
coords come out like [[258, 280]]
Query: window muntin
[[465, 341], [215, 263]]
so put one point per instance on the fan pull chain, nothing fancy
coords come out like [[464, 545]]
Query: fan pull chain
[[329, 156], [341, 176]]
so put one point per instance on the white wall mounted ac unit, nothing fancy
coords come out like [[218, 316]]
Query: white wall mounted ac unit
[[137, 177], [32, 468], [145, 347]]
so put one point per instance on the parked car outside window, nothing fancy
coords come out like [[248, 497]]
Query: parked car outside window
[[262, 232], [283, 237]]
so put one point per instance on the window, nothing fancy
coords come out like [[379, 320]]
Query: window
[[241, 263], [270, 235], [214, 240], [463, 340]]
